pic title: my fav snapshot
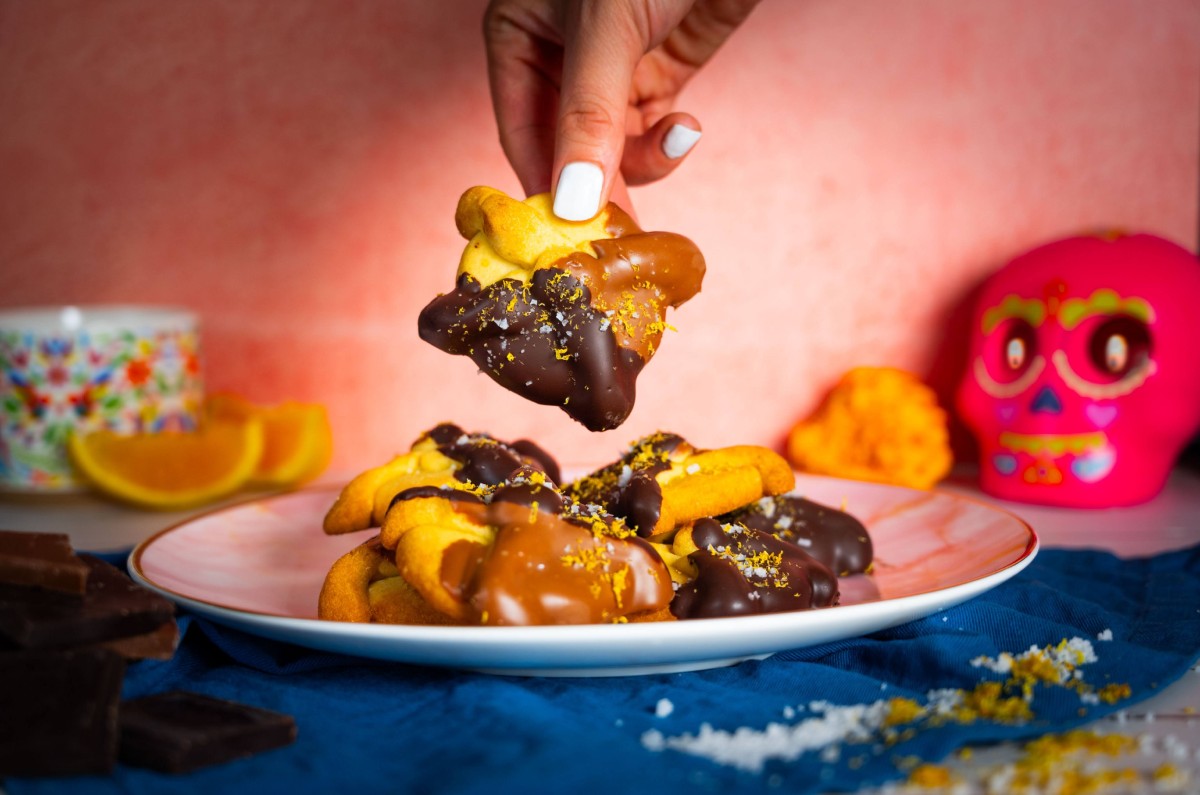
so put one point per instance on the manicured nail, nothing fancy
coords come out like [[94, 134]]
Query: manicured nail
[[577, 197], [679, 140]]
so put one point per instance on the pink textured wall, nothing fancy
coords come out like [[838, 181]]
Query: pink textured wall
[[290, 170]]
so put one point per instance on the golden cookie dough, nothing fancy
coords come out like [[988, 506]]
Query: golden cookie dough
[[663, 482], [443, 456]]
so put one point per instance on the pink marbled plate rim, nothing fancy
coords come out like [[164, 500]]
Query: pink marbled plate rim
[[258, 566]]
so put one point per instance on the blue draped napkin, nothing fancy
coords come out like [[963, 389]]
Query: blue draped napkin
[[833, 717]]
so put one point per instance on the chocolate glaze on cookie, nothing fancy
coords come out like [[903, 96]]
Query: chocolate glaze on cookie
[[833, 537], [486, 460], [553, 561], [741, 571], [579, 332], [628, 487]]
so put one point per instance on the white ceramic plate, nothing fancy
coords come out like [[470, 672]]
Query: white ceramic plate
[[259, 567]]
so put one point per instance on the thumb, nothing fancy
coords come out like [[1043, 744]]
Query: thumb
[[602, 46]]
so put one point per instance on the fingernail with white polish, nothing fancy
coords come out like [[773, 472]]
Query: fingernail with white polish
[[679, 140], [577, 197]]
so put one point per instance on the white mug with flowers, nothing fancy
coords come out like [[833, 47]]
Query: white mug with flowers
[[70, 369]]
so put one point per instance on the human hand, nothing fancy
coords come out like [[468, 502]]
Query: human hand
[[583, 90]]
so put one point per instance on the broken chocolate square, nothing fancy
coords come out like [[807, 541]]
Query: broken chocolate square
[[112, 607], [42, 560], [58, 712], [157, 644], [180, 731]]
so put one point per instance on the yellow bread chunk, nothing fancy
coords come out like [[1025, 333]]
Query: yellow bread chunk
[[645, 617], [364, 501], [509, 238], [394, 601], [877, 424], [683, 544], [682, 570], [694, 483], [419, 512], [444, 456], [364, 586], [344, 593], [714, 482], [419, 557]]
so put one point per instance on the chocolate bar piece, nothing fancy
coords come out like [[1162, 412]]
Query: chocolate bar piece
[[180, 731], [157, 644], [58, 712], [43, 560], [112, 607]]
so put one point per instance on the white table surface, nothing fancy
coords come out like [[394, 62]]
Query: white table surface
[[1169, 722]]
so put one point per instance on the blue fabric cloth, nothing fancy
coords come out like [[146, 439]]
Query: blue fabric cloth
[[367, 726]]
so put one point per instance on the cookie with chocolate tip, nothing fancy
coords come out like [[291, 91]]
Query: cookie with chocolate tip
[[832, 536], [365, 587], [662, 482], [522, 553], [564, 314], [445, 455], [736, 571]]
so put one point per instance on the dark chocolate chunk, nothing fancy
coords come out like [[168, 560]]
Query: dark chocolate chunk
[[112, 607], [486, 460], [833, 537], [42, 560], [585, 372], [157, 644], [58, 712], [741, 571], [628, 487], [180, 731], [532, 451]]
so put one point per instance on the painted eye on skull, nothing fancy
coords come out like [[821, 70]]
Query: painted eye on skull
[[1116, 353], [1119, 345], [1014, 353], [1020, 346]]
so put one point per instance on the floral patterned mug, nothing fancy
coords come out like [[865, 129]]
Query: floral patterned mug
[[66, 369]]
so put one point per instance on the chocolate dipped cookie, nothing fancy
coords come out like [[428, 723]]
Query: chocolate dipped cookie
[[737, 571], [515, 554], [563, 314], [662, 482], [834, 537], [445, 455], [522, 554]]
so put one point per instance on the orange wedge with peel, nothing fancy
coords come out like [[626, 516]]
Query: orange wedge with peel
[[170, 471], [297, 438]]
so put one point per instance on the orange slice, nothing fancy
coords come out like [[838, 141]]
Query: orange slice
[[297, 438], [169, 471]]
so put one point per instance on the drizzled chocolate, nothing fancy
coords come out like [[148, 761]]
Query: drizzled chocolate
[[833, 537], [628, 486], [579, 332], [741, 571], [552, 561], [486, 460]]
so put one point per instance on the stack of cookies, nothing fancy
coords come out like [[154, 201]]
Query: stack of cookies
[[666, 532]]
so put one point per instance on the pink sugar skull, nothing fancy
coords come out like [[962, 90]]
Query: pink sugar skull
[[1083, 382]]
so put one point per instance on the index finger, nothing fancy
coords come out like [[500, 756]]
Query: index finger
[[522, 69]]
